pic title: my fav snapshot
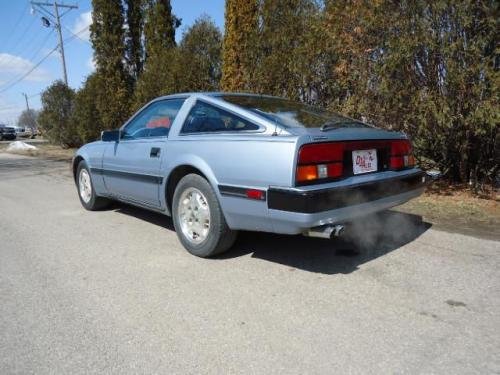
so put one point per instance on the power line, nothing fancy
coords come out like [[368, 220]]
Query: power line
[[25, 32], [44, 42], [76, 34], [67, 40], [33, 95], [13, 55], [11, 84], [26, 46], [16, 24]]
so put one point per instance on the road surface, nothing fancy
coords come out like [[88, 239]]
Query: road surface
[[114, 292]]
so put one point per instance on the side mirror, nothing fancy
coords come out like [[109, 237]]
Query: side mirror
[[110, 136]]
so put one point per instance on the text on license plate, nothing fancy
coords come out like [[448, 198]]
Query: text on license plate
[[364, 161]]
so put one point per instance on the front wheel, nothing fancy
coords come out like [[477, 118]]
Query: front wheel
[[198, 218], [86, 192]]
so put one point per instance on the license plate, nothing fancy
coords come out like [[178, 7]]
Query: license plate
[[364, 161]]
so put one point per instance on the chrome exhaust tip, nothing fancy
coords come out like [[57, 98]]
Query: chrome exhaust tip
[[325, 231], [338, 231]]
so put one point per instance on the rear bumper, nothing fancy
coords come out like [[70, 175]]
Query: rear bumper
[[335, 198], [293, 211]]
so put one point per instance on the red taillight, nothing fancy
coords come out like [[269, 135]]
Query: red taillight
[[320, 161], [324, 161], [401, 154], [321, 152], [400, 147]]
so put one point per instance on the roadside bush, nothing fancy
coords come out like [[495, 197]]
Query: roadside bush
[[430, 69], [56, 114]]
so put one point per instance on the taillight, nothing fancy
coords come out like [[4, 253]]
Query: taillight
[[325, 161], [320, 161], [401, 154]]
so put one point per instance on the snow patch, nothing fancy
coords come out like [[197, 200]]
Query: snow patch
[[20, 146]]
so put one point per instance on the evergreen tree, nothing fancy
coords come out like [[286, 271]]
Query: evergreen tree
[[159, 28], [282, 40], [239, 44], [354, 31], [134, 47], [198, 63], [85, 115], [159, 33], [107, 36], [157, 78]]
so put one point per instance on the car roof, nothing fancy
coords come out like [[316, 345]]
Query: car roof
[[215, 94]]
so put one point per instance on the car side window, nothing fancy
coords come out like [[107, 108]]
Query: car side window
[[154, 121], [205, 118]]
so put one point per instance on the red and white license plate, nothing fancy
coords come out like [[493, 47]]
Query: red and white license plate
[[364, 161]]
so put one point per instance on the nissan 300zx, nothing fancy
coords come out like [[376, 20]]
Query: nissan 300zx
[[218, 163]]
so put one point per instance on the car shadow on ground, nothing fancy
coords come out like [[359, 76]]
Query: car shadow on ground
[[366, 239]]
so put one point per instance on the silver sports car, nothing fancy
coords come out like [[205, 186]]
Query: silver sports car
[[218, 163]]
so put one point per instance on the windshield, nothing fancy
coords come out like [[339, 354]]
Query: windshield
[[290, 114]]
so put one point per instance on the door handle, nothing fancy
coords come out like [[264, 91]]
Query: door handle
[[155, 152]]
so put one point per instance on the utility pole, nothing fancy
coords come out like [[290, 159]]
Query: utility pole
[[56, 20], [34, 125], [27, 104]]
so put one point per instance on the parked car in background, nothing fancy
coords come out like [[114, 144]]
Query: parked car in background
[[23, 132], [7, 132], [218, 163]]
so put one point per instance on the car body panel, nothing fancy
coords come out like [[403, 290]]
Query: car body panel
[[138, 180], [93, 154], [260, 159]]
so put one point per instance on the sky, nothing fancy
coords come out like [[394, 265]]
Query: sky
[[27, 64]]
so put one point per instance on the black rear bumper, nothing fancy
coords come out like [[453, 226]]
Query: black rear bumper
[[333, 198]]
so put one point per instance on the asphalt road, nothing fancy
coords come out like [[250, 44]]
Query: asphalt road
[[114, 292]]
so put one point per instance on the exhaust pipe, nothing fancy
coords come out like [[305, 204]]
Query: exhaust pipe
[[325, 231]]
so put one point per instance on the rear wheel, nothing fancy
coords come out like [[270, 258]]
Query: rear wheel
[[198, 218], [86, 192]]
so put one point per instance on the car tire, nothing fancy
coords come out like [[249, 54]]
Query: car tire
[[194, 203], [89, 199]]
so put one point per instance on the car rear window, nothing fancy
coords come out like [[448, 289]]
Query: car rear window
[[291, 114]]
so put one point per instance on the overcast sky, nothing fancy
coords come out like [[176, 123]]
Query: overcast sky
[[24, 43]]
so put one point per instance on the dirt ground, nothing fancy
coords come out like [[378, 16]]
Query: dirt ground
[[453, 209], [458, 212]]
